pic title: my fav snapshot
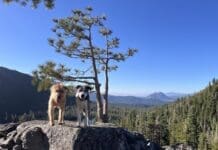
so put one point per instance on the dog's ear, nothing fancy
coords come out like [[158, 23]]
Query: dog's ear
[[60, 83], [89, 88], [78, 86]]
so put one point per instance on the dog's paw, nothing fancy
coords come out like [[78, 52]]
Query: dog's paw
[[60, 123], [51, 124], [78, 125]]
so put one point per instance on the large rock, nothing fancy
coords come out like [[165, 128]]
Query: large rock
[[178, 146], [34, 139], [108, 139], [38, 135], [6, 128]]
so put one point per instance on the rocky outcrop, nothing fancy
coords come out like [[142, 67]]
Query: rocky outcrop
[[38, 135], [178, 146]]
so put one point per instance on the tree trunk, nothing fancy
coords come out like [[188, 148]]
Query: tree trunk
[[105, 104], [98, 93], [99, 104], [97, 84]]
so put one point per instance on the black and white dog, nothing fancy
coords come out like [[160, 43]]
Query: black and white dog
[[83, 104]]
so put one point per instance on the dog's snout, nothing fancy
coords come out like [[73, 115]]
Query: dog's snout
[[59, 96], [82, 95]]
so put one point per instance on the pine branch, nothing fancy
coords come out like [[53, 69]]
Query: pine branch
[[79, 79], [72, 78]]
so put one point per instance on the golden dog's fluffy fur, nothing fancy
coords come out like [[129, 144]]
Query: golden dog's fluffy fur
[[57, 100]]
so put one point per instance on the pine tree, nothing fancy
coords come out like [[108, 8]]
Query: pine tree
[[202, 141], [75, 37], [192, 128], [34, 3], [164, 129]]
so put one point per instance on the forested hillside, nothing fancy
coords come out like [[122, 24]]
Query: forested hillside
[[192, 120], [18, 95]]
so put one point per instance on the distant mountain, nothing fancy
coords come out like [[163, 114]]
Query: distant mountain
[[159, 96], [130, 100], [134, 100], [18, 95]]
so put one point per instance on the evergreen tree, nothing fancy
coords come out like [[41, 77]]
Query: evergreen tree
[[76, 39], [202, 141], [164, 129], [192, 128], [34, 3]]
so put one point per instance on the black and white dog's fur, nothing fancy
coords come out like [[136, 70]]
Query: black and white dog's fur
[[83, 104]]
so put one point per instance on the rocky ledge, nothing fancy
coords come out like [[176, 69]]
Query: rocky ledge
[[38, 135]]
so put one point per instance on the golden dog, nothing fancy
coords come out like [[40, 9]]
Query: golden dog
[[57, 99]]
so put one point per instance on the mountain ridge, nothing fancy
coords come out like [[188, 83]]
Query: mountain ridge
[[18, 95], [156, 98]]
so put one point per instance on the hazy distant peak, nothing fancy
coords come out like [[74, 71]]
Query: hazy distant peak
[[158, 95]]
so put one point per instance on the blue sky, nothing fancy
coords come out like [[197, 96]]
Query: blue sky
[[177, 41]]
